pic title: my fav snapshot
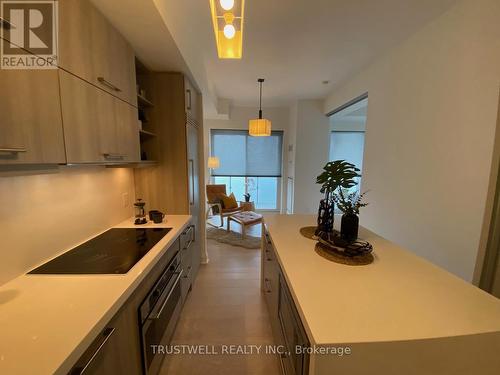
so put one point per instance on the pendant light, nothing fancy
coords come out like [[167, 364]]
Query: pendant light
[[213, 162], [260, 127]]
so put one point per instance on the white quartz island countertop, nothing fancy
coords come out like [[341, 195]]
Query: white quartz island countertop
[[47, 321], [399, 301]]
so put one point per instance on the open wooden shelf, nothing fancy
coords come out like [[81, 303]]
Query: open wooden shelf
[[143, 101], [146, 133], [146, 163]]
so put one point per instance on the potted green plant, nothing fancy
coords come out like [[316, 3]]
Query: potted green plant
[[336, 174], [349, 204]]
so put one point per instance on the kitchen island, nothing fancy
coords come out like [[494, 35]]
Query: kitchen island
[[399, 315]]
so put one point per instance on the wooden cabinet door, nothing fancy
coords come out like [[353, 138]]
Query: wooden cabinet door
[[127, 131], [90, 131], [92, 49], [30, 125], [121, 60], [81, 37], [115, 349]]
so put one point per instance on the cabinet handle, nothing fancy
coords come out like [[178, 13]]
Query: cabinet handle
[[6, 24], [108, 84], [283, 371], [267, 282], [111, 156], [191, 182], [188, 273], [285, 355], [13, 150], [106, 335], [193, 229], [189, 99]]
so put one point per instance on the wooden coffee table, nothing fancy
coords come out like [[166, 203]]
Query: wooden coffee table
[[245, 219]]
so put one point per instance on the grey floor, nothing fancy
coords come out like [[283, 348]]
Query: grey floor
[[225, 307]]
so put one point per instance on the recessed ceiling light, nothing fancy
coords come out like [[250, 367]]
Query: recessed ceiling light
[[229, 31], [227, 4]]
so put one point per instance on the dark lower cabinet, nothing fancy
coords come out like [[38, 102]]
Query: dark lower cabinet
[[188, 250], [294, 336], [287, 327], [114, 350], [270, 283]]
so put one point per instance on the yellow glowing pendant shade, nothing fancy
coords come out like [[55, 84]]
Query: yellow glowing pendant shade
[[227, 19], [260, 127]]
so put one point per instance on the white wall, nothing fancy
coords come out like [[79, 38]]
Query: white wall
[[42, 215], [238, 120], [430, 130], [311, 153]]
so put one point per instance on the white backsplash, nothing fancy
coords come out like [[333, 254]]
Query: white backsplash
[[42, 215]]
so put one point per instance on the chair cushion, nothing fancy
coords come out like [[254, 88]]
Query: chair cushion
[[229, 202], [231, 210], [214, 192]]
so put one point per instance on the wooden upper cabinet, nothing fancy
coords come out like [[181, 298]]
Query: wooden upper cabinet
[[31, 129], [98, 128], [87, 114], [128, 131], [92, 49]]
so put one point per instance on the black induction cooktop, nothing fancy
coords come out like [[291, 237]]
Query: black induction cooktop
[[115, 251]]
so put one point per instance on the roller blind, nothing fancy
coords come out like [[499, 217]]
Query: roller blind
[[246, 156], [349, 146]]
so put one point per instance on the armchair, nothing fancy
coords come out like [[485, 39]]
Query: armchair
[[215, 206]]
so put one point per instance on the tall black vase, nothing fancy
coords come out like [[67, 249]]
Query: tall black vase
[[325, 215], [349, 227]]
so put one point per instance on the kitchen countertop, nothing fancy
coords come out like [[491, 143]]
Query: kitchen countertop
[[47, 321], [398, 297]]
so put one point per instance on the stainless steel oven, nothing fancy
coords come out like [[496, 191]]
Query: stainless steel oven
[[159, 313]]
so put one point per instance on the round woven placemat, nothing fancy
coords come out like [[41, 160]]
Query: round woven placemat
[[334, 255], [308, 232]]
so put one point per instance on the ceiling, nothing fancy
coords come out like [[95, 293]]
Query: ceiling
[[294, 44]]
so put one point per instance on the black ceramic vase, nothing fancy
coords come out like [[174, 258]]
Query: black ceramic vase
[[349, 227], [325, 216]]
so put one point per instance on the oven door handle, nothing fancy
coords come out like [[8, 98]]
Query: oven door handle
[[165, 301]]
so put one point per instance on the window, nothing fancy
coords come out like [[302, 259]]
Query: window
[[263, 190], [347, 137], [249, 165], [348, 146]]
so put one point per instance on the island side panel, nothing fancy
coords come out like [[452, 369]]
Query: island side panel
[[460, 355]]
